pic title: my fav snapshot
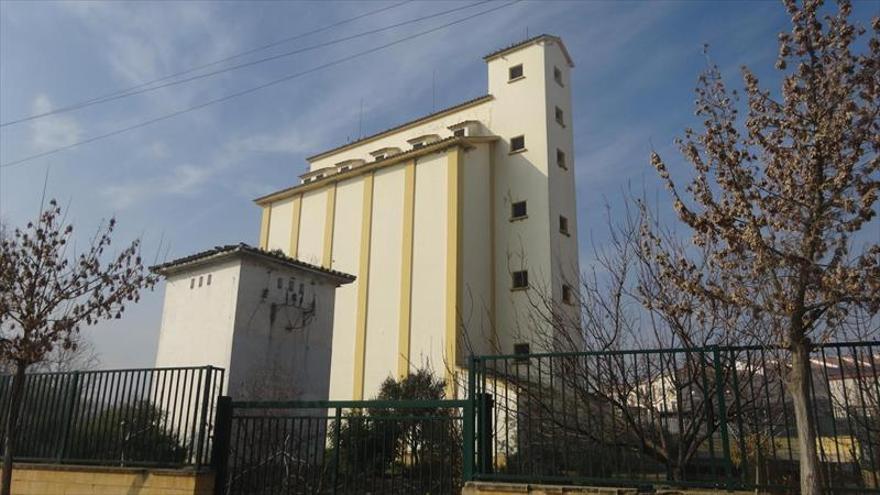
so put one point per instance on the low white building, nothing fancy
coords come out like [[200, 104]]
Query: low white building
[[265, 318]]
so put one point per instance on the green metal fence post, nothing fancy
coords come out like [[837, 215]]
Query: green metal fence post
[[722, 415], [203, 420], [336, 442], [467, 451], [70, 400], [484, 418], [222, 443]]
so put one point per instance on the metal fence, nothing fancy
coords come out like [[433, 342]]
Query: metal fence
[[717, 417], [132, 417], [345, 446]]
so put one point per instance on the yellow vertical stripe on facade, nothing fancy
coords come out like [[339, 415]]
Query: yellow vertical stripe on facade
[[453, 264], [406, 267], [363, 281], [294, 225], [264, 227], [329, 218]]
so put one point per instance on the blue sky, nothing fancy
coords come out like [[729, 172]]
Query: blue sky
[[190, 180]]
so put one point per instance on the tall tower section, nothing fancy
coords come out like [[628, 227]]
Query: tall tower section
[[453, 224], [534, 179]]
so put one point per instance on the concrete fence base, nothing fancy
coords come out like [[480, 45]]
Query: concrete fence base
[[492, 488], [57, 479]]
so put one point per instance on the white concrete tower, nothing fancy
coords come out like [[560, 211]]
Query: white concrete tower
[[531, 85]]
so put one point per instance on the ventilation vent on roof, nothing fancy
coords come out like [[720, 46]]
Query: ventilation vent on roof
[[422, 141], [465, 128], [346, 165], [383, 153]]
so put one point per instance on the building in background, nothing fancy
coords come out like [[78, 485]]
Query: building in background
[[263, 317], [446, 221]]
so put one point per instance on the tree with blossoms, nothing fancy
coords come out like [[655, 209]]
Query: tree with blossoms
[[779, 195], [49, 292]]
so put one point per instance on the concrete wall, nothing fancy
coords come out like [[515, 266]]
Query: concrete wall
[[477, 297], [42, 479], [346, 257], [383, 308], [427, 311], [565, 268], [279, 225], [283, 334], [198, 319], [311, 227]]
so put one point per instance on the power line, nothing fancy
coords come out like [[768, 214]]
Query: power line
[[112, 95], [254, 88], [245, 64]]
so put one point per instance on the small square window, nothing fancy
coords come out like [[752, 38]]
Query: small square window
[[318, 177], [567, 296], [560, 159], [560, 117], [515, 72], [522, 351], [517, 143], [458, 132], [418, 145], [521, 279], [345, 168], [380, 157], [563, 224], [209, 279], [518, 210], [192, 283], [200, 280], [557, 76]]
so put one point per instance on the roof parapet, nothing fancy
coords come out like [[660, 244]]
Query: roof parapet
[[541, 37]]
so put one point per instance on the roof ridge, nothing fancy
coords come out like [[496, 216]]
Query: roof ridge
[[527, 41], [276, 255], [364, 139]]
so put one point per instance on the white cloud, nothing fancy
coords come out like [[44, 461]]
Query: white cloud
[[184, 180], [143, 42], [54, 131]]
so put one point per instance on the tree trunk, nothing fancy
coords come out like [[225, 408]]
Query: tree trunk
[[799, 387], [12, 428]]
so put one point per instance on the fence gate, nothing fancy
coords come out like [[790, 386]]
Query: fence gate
[[318, 447]]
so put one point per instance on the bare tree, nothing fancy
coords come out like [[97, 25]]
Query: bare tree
[[48, 294], [662, 403], [779, 203], [80, 356]]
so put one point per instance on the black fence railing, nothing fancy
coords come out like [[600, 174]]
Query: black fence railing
[[346, 447], [132, 417], [717, 416]]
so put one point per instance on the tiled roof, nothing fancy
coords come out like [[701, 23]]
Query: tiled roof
[[528, 41], [245, 249], [473, 101]]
